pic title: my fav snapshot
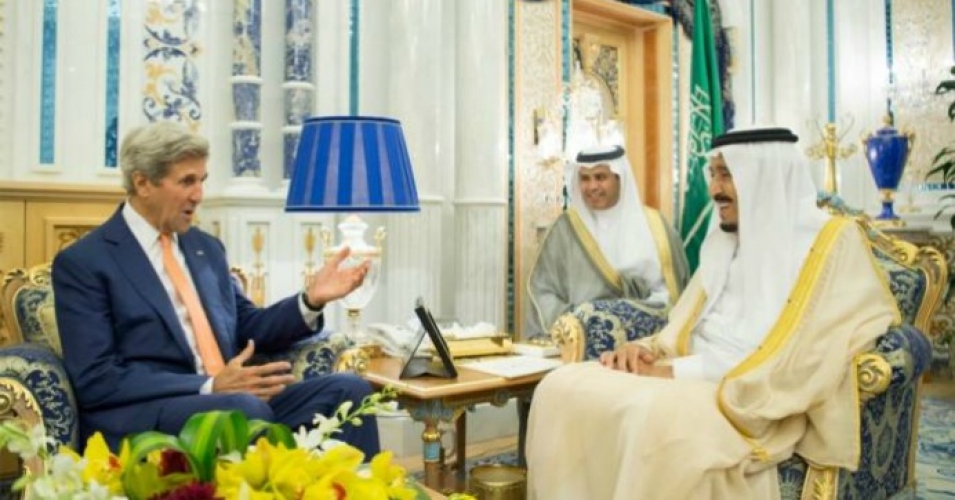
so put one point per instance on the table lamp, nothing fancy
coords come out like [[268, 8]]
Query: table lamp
[[353, 164]]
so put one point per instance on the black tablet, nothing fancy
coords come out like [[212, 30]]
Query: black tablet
[[416, 367]]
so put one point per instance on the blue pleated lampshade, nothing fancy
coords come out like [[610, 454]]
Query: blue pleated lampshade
[[352, 164]]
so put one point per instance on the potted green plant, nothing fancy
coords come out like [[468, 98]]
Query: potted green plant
[[944, 161]]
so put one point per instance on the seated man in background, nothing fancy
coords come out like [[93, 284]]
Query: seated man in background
[[756, 362], [153, 327], [606, 245]]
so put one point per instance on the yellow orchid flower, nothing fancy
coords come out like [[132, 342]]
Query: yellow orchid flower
[[102, 466], [392, 476], [252, 470]]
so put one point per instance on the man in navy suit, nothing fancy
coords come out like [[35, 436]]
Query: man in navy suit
[[128, 338]]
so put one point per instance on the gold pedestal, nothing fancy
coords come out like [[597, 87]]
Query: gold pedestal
[[372, 350], [888, 223], [498, 482]]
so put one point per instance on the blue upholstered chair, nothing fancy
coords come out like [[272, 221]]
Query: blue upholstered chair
[[889, 374], [34, 386]]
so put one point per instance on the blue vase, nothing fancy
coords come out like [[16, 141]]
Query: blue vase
[[887, 151]]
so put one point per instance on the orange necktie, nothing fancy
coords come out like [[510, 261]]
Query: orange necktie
[[205, 340]]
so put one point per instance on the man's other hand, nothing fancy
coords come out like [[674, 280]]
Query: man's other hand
[[628, 358], [261, 381], [331, 282]]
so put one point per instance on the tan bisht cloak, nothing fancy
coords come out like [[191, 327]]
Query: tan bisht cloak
[[600, 434]]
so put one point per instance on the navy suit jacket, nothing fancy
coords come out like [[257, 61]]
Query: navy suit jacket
[[123, 345]]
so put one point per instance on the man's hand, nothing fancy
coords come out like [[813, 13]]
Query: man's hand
[[330, 282], [628, 358], [262, 381]]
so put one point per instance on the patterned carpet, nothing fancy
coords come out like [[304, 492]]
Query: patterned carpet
[[935, 468]]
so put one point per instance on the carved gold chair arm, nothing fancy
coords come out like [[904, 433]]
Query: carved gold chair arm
[[874, 374], [353, 360], [18, 404], [822, 483], [568, 334]]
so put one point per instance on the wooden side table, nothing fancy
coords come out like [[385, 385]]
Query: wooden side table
[[432, 400]]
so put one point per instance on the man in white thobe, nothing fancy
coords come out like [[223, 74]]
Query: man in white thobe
[[755, 364]]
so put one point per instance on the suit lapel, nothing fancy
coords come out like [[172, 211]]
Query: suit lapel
[[134, 263], [208, 288]]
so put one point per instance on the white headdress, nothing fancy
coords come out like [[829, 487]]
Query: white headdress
[[778, 222], [622, 230]]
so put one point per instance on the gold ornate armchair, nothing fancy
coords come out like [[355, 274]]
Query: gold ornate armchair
[[889, 374], [34, 386]]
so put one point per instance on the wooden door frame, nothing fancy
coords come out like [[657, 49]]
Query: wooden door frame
[[649, 119]]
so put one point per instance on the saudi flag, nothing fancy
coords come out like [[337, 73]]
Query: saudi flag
[[706, 121]]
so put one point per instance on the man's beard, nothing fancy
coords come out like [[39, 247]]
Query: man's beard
[[729, 227]]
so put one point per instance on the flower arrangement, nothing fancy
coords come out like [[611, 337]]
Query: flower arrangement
[[217, 455]]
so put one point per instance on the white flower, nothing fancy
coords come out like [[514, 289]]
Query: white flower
[[307, 439], [63, 466], [27, 444]]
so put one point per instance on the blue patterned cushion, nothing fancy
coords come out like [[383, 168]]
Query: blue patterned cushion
[[610, 322], [36, 317], [40, 370], [311, 357], [888, 418], [792, 474], [908, 285]]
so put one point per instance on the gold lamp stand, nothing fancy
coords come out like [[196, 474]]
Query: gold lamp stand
[[829, 149]]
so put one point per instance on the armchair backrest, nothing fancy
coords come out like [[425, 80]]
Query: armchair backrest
[[917, 276], [28, 308]]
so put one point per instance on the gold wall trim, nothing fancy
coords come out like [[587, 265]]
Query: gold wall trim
[[48, 191]]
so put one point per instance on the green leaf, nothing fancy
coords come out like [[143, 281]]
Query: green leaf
[[200, 436], [946, 168], [945, 86], [273, 432], [235, 433]]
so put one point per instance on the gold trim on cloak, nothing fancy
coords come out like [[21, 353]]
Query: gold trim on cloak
[[791, 315], [592, 249], [683, 338]]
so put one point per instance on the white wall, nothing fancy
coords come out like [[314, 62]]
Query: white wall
[[423, 62], [792, 82]]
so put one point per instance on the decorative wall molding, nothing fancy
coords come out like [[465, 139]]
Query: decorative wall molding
[[923, 52], [246, 88], [537, 84], [48, 82], [299, 85], [170, 62], [113, 22], [48, 191]]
